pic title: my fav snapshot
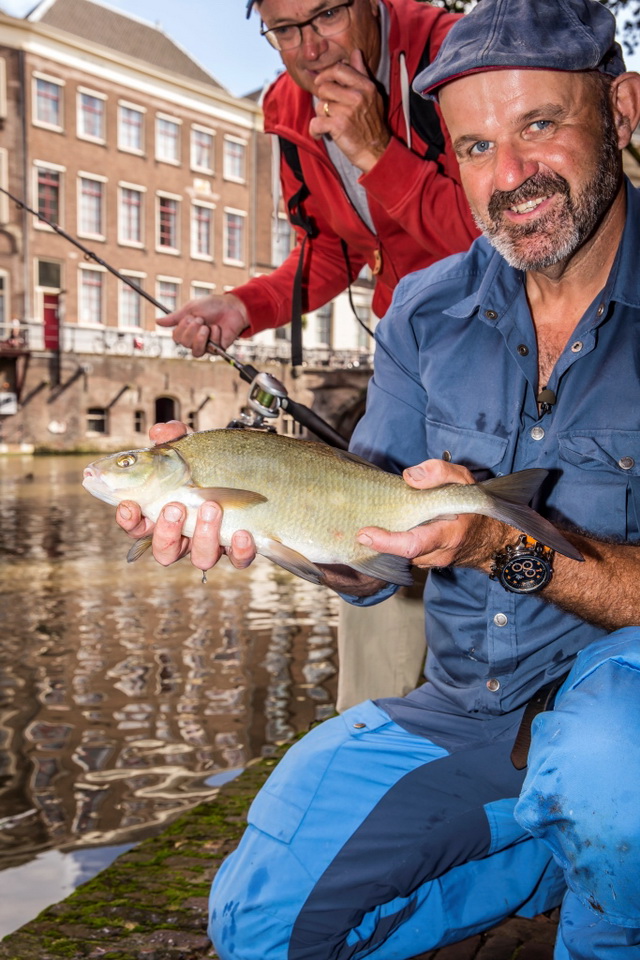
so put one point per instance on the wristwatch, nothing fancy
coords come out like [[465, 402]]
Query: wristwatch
[[523, 567]]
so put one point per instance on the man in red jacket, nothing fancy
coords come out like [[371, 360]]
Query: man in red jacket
[[381, 176]]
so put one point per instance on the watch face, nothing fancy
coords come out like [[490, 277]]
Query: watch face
[[525, 574]]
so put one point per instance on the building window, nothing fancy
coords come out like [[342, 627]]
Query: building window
[[91, 116], [90, 210], [324, 325], [130, 129], [96, 420], [280, 241], [167, 140], [48, 184], [130, 305], [48, 103], [130, 216], [3, 88], [168, 291], [201, 231], [139, 421], [201, 150], [90, 300], [49, 274], [199, 290], [234, 237], [4, 182], [167, 223], [234, 159]]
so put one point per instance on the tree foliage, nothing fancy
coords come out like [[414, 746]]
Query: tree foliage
[[626, 12]]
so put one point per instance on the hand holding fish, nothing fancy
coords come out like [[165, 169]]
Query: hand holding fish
[[462, 539], [168, 542]]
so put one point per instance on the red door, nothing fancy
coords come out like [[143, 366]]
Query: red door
[[51, 321]]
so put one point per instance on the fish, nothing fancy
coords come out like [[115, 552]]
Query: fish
[[304, 502]]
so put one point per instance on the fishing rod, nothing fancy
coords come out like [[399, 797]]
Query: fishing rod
[[267, 395]]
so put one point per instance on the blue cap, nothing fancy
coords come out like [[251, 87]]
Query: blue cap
[[521, 34]]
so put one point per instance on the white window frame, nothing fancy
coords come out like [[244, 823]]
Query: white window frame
[[231, 211], [57, 168], [167, 118], [277, 223], [123, 287], [96, 95], [137, 244], [201, 288], [95, 268], [3, 89], [225, 172], [195, 254], [161, 278], [196, 167], [47, 78], [97, 178], [164, 195], [4, 182], [135, 107], [8, 323]]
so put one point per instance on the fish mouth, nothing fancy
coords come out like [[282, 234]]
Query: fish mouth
[[94, 485]]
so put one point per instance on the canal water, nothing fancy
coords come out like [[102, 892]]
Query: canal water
[[130, 692]]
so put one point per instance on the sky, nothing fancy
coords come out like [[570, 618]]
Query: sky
[[213, 32]]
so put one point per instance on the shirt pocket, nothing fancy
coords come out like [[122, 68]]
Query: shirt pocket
[[478, 451], [603, 468]]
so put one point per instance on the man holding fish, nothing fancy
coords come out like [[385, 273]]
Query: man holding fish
[[408, 823]]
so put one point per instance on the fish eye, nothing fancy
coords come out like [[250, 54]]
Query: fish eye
[[126, 460]]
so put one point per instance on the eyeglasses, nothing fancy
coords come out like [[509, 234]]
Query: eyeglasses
[[327, 23]]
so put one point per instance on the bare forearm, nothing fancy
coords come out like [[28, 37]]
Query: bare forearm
[[604, 589]]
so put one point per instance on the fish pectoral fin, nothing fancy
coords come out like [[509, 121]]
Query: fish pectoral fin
[[291, 560], [387, 566], [443, 516], [229, 497], [138, 549]]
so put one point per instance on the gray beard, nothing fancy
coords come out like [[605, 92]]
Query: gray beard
[[559, 235]]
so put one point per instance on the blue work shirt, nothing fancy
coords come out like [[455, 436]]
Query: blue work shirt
[[456, 377]]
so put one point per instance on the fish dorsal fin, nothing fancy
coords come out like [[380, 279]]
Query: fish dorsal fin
[[291, 560], [229, 497], [354, 458]]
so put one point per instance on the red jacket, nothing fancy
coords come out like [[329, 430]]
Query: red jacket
[[418, 206]]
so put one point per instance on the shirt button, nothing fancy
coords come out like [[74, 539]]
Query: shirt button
[[523, 349], [493, 685], [600, 310], [577, 346], [446, 455], [537, 433], [626, 463], [491, 315], [359, 726], [501, 619]]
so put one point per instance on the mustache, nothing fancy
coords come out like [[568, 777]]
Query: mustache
[[539, 185]]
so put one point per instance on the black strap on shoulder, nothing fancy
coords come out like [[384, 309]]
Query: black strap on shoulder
[[424, 116], [298, 218]]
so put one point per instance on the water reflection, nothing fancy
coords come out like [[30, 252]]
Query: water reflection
[[128, 691]]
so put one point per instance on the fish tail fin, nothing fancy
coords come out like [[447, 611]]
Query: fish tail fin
[[511, 496]]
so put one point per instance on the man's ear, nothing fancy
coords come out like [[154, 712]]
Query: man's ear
[[625, 103]]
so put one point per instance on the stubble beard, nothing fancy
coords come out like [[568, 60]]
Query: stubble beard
[[554, 236]]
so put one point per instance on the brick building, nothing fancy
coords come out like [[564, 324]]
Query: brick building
[[109, 129]]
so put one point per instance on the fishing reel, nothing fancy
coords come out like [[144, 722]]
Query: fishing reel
[[266, 394]]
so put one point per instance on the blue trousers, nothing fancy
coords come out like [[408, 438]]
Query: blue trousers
[[372, 841]]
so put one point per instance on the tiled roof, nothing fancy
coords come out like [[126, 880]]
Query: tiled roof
[[118, 31]]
